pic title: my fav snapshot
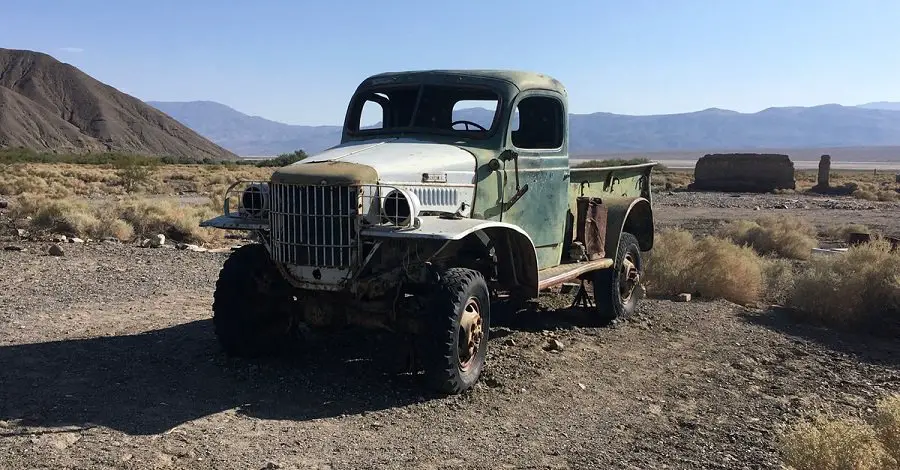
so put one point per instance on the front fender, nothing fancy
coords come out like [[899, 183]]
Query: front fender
[[633, 215], [516, 255]]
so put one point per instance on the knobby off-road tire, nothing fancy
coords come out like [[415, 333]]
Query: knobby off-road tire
[[251, 305], [616, 290], [456, 320]]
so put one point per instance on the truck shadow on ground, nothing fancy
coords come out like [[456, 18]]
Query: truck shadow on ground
[[151, 382], [876, 347]]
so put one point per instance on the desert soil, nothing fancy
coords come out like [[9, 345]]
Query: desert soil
[[108, 360]]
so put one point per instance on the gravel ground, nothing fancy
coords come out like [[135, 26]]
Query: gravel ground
[[702, 212], [108, 360]]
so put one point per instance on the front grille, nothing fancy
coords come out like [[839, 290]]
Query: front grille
[[313, 225]]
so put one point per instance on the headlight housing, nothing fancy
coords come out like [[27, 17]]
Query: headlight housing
[[255, 201], [400, 207]]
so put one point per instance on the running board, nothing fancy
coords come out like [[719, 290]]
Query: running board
[[566, 272]]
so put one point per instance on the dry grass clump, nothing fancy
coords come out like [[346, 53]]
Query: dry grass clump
[[842, 232], [709, 267], [843, 444], [848, 289], [668, 180], [826, 443], [125, 220], [788, 237], [778, 277], [71, 218], [63, 180], [174, 220]]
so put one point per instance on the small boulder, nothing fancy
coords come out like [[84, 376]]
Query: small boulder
[[59, 238], [4, 204], [683, 297], [157, 241], [75, 240], [554, 345], [56, 250], [22, 233]]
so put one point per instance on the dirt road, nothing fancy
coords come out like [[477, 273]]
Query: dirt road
[[108, 360]]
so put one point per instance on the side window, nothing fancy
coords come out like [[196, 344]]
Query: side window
[[372, 115], [538, 123]]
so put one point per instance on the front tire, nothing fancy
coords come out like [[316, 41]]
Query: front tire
[[252, 305], [616, 290], [457, 321]]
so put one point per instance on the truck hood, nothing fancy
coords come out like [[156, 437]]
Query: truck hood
[[387, 161]]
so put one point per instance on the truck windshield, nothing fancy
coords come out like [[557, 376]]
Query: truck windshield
[[464, 111]]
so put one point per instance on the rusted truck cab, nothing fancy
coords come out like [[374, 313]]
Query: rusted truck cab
[[449, 191]]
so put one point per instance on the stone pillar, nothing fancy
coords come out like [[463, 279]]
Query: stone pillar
[[824, 172]]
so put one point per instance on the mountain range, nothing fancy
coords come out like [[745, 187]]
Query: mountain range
[[49, 106], [830, 125]]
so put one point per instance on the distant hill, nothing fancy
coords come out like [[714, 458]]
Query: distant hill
[[789, 127], [886, 105], [50, 106], [248, 135]]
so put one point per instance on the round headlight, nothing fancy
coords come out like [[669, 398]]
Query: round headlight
[[399, 207], [255, 200]]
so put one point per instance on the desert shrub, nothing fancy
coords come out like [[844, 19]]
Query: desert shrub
[[616, 162], [827, 442], [284, 159], [134, 172], [778, 277], [124, 220], [662, 179], [788, 237], [710, 267], [71, 218], [887, 424], [851, 288], [842, 232], [834, 444]]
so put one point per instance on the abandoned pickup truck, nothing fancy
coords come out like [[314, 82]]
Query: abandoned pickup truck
[[450, 191]]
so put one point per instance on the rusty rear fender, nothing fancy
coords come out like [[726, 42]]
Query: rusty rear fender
[[633, 215]]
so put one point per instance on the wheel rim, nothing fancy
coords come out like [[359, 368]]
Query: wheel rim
[[470, 334], [629, 277]]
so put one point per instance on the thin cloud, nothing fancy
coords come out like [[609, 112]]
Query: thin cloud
[[76, 50]]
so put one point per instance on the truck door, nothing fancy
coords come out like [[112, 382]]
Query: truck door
[[537, 154]]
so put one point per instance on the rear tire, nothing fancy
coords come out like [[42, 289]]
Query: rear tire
[[616, 290], [455, 337], [252, 305]]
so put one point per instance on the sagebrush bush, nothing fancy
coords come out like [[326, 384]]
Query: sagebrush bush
[[778, 275], [842, 232], [834, 444], [709, 267], [788, 237], [65, 180], [887, 424], [826, 442], [851, 288], [123, 220]]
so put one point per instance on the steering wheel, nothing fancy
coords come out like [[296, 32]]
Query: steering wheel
[[467, 123]]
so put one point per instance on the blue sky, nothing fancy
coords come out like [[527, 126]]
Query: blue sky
[[299, 61]]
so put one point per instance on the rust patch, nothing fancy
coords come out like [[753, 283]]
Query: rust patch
[[326, 173]]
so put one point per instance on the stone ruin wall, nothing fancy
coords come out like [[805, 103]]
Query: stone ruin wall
[[744, 172]]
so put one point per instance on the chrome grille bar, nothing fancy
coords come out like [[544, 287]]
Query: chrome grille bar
[[313, 225]]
